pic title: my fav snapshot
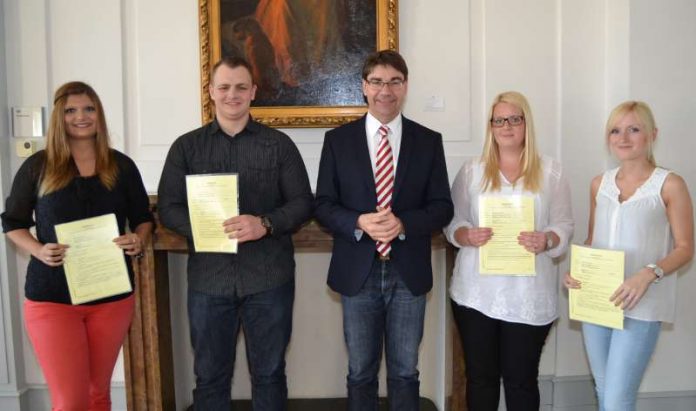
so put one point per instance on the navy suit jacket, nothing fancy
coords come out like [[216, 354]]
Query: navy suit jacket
[[346, 189]]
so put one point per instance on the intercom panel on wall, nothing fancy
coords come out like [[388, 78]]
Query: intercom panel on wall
[[28, 129]]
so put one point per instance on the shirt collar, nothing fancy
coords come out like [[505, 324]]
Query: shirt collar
[[252, 127], [372, 124]]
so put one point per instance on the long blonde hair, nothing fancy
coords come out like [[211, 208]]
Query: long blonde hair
[[645, 116], [59, 167], [529, 159]]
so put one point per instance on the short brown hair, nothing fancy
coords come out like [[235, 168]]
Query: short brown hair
[[232, 62], [384, 58]]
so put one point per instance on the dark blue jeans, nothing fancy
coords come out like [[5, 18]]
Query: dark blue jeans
[[383, 310], [266, 319]]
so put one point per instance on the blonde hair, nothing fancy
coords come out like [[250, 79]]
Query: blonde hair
[[645, 117], [59, 168], [529, 159]]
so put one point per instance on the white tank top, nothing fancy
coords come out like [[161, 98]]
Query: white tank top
[[640, 228]]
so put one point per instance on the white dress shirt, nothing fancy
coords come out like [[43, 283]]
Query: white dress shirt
[[372, 126], [520, 299]]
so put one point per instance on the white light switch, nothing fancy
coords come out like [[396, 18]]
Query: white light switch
[[435, 103]]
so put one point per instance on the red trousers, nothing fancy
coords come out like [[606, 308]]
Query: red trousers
[[77, 347]]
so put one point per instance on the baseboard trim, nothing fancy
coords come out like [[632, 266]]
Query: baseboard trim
[[574, 393], [14, 400], [577, 394], [36, 398]]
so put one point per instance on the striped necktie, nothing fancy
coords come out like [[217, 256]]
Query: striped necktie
[[384, 179]]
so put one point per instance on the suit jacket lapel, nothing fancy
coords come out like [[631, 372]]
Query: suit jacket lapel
[[407, 143], [364, 163]]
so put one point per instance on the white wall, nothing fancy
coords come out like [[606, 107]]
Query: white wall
[[12, 379], [10, 342], [662, 60], [4, 180], [574, 59]]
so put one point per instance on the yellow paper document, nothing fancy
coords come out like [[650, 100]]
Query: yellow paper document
[[601, 272], [94, 264], [507, 216], [212, 199]]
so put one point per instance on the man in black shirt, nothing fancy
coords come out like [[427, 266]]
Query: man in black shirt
[[255, 287]]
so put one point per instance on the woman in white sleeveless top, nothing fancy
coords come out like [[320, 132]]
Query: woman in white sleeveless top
[[645, 211]]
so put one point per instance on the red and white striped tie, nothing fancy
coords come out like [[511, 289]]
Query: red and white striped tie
[[384, 180]]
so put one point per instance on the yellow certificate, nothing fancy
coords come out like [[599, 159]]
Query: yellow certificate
[[601, 272], [507, 216], [94, 264], [212, 199]]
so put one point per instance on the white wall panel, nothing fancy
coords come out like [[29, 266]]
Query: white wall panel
[[662, 58], [435, 43], [6, 337], [84, 43], [583, 153], [163, 74], [521, 54]]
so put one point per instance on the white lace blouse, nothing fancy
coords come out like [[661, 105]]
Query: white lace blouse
[[521, 299], [638, 226]]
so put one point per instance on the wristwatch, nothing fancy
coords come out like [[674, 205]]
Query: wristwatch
[[659, 273], [549, 240], [267, 224]]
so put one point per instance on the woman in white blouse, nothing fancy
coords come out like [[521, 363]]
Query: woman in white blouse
[[645, 211], [504, 320]]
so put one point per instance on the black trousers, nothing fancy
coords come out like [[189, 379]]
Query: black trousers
[[494, 349]]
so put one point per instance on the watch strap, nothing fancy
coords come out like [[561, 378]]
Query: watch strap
[[267, 224], [659, 273]]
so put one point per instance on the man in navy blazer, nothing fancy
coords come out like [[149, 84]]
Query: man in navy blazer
[[381, 263]]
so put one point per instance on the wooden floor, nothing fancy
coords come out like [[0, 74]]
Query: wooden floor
[[324, 404]]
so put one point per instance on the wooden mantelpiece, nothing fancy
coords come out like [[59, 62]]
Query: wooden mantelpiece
[[148, 358]]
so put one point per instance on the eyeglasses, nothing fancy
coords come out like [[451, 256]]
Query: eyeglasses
[[395, 84], [512, 121]]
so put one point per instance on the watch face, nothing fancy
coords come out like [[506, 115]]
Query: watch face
[[266, 223], [659, 273]]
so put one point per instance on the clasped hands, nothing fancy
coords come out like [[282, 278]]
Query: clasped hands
[[382, 225], [532, 241]]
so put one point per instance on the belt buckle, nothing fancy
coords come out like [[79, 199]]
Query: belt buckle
[[383, 257]]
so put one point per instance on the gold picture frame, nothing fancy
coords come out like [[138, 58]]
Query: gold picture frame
[[288, 115]]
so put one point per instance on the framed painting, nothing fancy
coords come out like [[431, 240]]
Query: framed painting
[[306, 55]]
